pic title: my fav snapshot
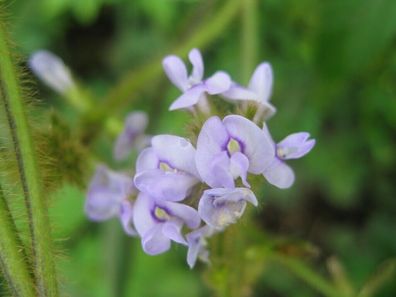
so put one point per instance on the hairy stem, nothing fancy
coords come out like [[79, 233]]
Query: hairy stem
[[12, 258], [30, 180]]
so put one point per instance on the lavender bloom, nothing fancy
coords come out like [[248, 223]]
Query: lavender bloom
[[52, 71], [166, 170], [160, 222], [107, 197], [221, 207], [261, 86], [133, 135], [193, 87], [294, 146], [197, 245], [230, 149]]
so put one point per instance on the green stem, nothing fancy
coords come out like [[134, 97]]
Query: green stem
[[307, 274], [12, 260], [128, 87], [30, 180], [249, 37]]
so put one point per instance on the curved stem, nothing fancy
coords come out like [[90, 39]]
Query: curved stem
[[12, 260], [306, 273], [30, 181], [127, 88]]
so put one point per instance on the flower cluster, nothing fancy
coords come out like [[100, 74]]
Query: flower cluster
[[183, 192]]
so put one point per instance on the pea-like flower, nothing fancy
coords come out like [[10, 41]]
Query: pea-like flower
[[194, 87], [221, 207], [167, 170], [132, 136], [108, 197], [230, 148], [160, 222], [52, 71], [197, 245], [261, 86], [294, 146]]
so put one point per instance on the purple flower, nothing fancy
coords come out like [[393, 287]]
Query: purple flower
[[261, 86], [221, 207], [230, 149], [132, 136], [166, 170], [197, 244], [107, 197], [160, 222], [294, 146], [193, 87], [52, 71]]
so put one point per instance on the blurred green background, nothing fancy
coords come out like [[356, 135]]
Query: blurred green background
[[335, 76]]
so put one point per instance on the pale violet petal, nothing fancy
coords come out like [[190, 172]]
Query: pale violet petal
[[51, 70], [261, 82], [279, 174], [239, 165], [176, 151], [295, 146], [218, 83], [237, 92], [172, 230], [147, 160], [195, 58], [170, 186], [256, 146], [126, 217], [155, 242], [186, 213], [143, 219], [189, 98], [221, 207], [176, 71], [135, 125], [211, 141]]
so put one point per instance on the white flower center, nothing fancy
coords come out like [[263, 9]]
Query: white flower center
[[161, 214], [166, 167]]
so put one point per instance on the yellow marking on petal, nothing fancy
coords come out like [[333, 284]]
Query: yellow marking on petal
[[166, 168], [161, 214], [233, 146]]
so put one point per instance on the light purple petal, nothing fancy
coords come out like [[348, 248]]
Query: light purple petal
[[106, 192], [51, 70], [279, 174], [165, 185], [172, 230], [142, 214], [220, 174], [147, 160], [218, 83], [221, 207], [295, 146], [155, 242], [197, 245], [126, 217], [176, 151], [261, 82], [189, 98], [176, 71], [237, 92], [239, 165], [184, 212], [211, 141], [135, 125], [256, 146], [195, 58]]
